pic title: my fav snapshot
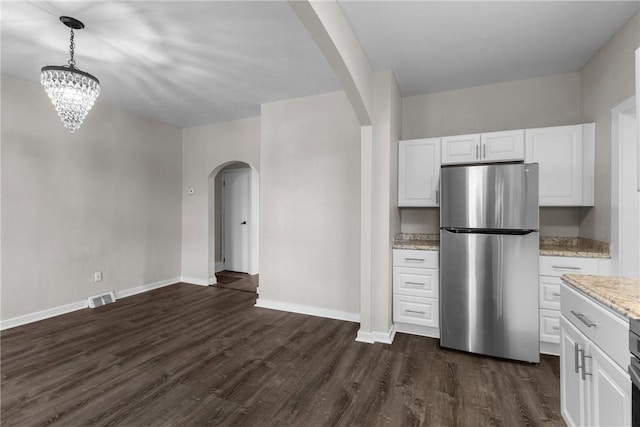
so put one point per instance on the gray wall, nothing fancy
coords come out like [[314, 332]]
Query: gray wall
[[205, 151], [607, 80], [543, 101], [106, 198], [310, 203]]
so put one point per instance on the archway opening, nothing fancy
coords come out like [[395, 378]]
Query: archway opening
[[233, 226]]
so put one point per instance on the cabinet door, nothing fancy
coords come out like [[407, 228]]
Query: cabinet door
[[502, 146], [610, 391], [418, 172], [573, 393], [461, 149], [559, 152]]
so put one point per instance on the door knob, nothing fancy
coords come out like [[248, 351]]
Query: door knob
[[243, 223]]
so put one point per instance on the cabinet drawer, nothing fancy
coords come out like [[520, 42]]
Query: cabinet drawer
[[605, 328], [550, 292], [414, 258], [419, 282], [550, 326], [557, 266], [416, 310]]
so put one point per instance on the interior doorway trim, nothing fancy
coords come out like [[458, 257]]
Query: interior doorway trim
[[254, 222], [625, 210]]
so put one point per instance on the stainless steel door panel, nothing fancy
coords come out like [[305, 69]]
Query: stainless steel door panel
[[503, 196], [489, 294]]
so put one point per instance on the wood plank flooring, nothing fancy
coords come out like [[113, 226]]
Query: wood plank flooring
[[238, 281], [187, 355]]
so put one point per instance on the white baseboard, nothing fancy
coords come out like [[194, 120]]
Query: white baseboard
[[219, 266], [424, 331], [213, 280], [366, 337], [306, 309], [68, 308], [193, 281], [549, 348], [44, 314], [385, 337], [373, 337], [144, 288]]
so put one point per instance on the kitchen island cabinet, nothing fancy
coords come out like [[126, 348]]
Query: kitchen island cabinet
[[595, 388]]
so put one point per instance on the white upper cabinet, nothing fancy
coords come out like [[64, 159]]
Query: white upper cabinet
[[502, 146], [566, 158], [418, 172], [460, 149], [482, 148]]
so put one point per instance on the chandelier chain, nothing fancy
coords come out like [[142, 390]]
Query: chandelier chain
[[72, 46]]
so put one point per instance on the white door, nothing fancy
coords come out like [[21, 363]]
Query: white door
[[236, 190]]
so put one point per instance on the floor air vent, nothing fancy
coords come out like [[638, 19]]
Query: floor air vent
[[102, 299]]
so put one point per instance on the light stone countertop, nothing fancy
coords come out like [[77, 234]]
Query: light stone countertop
[[549, 246], [621, 294]]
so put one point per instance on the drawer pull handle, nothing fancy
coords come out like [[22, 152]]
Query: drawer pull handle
[[414, 259], [415, 283], [416, 312], [555, 328], [555, 294], [565, 267], [581, 317]]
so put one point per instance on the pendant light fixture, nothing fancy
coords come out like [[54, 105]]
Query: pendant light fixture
[[71, 90]]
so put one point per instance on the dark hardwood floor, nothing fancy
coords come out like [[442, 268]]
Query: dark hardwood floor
[[187, 355], [238, 281]]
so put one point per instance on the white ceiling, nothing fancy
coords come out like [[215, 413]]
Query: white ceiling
[[194, 63]]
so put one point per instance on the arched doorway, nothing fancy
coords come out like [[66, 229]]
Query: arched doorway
[[233, 226]]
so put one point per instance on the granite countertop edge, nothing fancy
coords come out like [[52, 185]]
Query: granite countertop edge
[[431, 242], [620, 294]]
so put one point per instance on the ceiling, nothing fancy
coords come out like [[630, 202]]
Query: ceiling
[[193, 63]]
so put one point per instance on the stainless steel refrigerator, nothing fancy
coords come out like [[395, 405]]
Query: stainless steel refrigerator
[[489, 260]]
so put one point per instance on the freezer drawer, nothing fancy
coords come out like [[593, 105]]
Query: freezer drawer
[[489, 294]]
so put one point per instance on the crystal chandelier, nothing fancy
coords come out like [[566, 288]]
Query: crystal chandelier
[[71, 90]]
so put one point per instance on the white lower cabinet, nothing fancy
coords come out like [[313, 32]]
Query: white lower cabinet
[[416, 292], [551, 268], [594, 388]]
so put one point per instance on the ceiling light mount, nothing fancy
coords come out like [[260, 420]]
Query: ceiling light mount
[[71, 90], [72, 23]]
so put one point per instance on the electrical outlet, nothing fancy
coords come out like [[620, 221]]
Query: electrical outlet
[[97, 276]]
